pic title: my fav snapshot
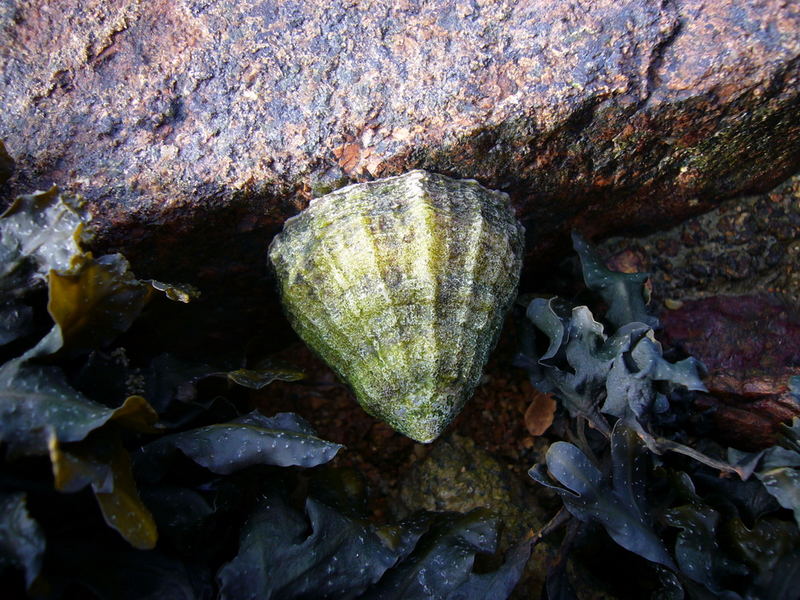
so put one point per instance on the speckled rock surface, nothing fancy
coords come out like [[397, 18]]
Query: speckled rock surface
[[746, 246], [458, 475], [195, 128]]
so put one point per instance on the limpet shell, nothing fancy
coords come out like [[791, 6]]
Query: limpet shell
[[401, 285]]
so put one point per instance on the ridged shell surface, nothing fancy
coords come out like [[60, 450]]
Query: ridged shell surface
[[401, 285]]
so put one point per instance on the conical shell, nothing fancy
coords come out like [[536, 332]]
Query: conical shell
[[401, 285]]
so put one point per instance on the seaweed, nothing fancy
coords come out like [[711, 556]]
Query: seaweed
[[130, 477], [641, 473]]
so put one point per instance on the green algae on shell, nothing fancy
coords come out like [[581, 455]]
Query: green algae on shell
[[401, 285]]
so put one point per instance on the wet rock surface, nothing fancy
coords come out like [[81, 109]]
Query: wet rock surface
[[458, 475], [751, 346], [195, 128], [736, 333], [746, 246]]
